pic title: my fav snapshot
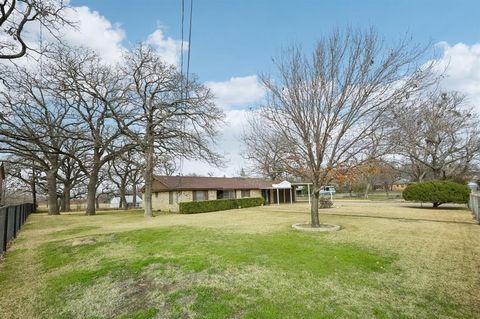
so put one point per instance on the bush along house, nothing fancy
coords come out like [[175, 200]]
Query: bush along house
[[168, 192]]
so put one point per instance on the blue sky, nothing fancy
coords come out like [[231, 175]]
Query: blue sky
[[234, 41], [237, 38]]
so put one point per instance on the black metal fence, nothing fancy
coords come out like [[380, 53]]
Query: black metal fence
[[12, 219]]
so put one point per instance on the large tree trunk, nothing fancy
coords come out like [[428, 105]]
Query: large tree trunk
[[367, 190], [147, 200], [52, 192], [123, 198], [437, 173], [33, 187], [66, 197], [134, 194], [2, 196], [421, 177], [92, 191], [315, 218]]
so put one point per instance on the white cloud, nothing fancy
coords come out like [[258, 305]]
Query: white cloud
[[90, 29], [168, 48], [238, 91], [462, 63], [96, 32], [229, 145]]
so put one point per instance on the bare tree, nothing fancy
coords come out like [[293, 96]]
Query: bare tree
[[166, 114], [326, 105], [105, 188], [369, 165], [165, 165], [26, 173], [266, 150], [15, 15], [123, 170], [437, 134], [95, 90], [70, 176], [33, 123]]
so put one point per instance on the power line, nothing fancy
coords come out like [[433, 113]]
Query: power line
[[189, 44], [185, 91], [181, 49]]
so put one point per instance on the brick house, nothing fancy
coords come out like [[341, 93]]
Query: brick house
[[168, 191]]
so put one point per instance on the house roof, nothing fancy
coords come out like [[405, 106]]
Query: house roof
[[168, 183]]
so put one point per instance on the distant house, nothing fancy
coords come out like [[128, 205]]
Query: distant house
[[169, 191], [400, 185], [115, 202]]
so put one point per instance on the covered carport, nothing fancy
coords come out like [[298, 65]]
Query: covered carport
[[278, 193]]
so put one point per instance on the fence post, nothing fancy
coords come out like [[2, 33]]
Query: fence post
[[5, 228], [477, 208], [474, 205], [15, 217]]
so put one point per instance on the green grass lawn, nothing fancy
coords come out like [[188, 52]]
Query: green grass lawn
[[388, 261]]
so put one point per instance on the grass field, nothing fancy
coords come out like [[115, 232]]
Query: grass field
[[388, 261]]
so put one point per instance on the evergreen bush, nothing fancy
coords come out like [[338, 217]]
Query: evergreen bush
[[437, 193]]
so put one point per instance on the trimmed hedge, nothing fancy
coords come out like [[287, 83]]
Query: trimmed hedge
[[437, 193], [249, 202], [219, 204]]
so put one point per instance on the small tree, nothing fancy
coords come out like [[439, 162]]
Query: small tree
[[326, 106], [437, 193]]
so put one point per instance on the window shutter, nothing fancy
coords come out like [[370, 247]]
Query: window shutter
[[194, 195], [206, 195]]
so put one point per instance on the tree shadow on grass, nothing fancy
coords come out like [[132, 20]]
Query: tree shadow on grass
[[441, 207]]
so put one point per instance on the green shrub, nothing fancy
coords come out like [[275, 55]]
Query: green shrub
[[219, 204], [206, 206], [437, 193], [249, 202]]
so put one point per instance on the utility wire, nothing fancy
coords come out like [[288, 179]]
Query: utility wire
[[184, 89], [189, 43], [181, 49]]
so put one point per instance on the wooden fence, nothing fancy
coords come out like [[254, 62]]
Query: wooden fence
[[12, 219]]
